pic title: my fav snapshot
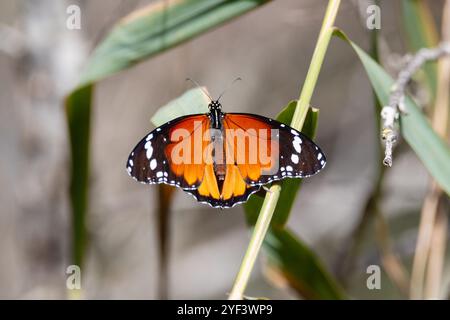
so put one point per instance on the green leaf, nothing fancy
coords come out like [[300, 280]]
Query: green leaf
[[141, 35], [78, 117], [158, 27], [300, 266], [421, 33], [415, 128], [191, 102], [289, 187], [419, 24]]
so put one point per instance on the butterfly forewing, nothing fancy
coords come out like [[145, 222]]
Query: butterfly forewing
[[153, 160]]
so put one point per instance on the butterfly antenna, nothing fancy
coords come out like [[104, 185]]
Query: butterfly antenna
[[237, 79], [201, 88]]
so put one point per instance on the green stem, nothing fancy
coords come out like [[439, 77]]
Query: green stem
[[260, 230], [271, 199], [316, 63]]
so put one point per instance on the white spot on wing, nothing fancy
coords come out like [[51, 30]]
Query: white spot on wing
[[294, 158], [319, 156], [159, 174], [149, 137], [153, 164], [296, 143], [295, 133], [149, 152], [289, 168], [131, 162]]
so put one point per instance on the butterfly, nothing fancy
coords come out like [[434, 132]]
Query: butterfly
[[222, 158]]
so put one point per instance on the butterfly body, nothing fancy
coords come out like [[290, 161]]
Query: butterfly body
[[216, 118], [222, 158], [216, 115]]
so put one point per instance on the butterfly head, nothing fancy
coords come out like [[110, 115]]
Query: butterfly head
[[215, 105]]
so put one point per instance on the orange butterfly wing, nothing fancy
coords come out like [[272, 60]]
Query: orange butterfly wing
[[277, 151], [234, 189]]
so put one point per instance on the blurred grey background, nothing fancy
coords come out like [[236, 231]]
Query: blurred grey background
[[270, 48]]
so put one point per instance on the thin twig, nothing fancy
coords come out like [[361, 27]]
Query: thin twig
[[441, 110], [430, 247], [393, 266], [164, 200], [270, 201], [391, 112], [423, 244], [435, 267]]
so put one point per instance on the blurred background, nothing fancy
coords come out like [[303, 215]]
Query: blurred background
[[270, 49]]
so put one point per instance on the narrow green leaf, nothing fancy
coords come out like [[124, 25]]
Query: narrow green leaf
[[415, 128], [300, 266], [78, 117], [289, 187], [419, 24], [421, 33], [157, 28], [142, 34]]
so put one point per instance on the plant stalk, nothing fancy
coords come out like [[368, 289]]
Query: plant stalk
[[325, 35], [429, 257], [259, 232], [271, 199]]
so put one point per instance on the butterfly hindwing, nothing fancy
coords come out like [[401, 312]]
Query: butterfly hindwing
[[234, 188]]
